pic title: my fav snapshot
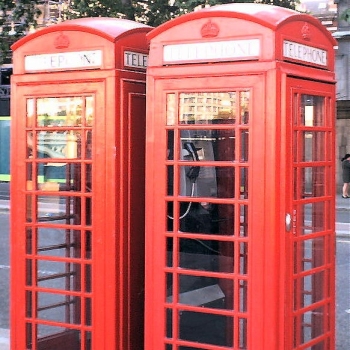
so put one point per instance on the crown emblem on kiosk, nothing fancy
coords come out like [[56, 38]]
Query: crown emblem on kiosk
[[305, 32], [61, 41], [210, 30]]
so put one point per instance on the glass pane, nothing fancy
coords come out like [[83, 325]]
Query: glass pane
[[207, 255], [207, 145], [169, 318], [58, 209], [312, 324], [244, 105], [313, 218], [312, 110], [208, 107], [58, 176], [207, 217], [89, 110], [207, 181], [243, 333], [61, 111], [206, 328], [313, 180], [314, 146], [71, 336], [171, 109], [57, 308], [243, 182], [58, 144], [31, 112], [243, 295], [29, 272], [204, 291], [58, 242], [58, 275], [243, 258], [243, 232], [309, 254], [29, 330], [244, 134]]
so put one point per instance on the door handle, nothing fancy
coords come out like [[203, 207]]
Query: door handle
[[288, 222]]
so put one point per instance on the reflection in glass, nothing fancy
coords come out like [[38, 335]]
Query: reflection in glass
[[207, 107], [62, 111], [58, 144]]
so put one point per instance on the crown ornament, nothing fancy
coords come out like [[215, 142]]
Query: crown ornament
[[305, 32], [61, 41], [210, 30]]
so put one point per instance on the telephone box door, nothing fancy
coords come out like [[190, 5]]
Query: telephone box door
[[310, 215], [200, 190], [56, 239]]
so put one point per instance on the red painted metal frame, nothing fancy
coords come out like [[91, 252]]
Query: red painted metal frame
[[270, 298], [117, 210]]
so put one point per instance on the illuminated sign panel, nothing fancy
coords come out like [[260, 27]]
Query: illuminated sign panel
[[63, 60], [304, 53], [231, 50]]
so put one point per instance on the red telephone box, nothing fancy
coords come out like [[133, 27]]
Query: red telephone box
[[240, 181], [77, 189]]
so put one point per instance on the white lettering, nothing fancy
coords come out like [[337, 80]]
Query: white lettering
[[216, 50], [135, 60], [304, 53], [64, 60]]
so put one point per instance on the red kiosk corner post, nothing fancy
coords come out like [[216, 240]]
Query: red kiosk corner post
[[240, 181], [77, 189]]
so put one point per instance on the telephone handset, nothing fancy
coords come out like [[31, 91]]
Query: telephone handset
[[193, 172]]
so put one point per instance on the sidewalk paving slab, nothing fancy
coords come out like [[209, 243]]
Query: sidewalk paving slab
[[4, 339]]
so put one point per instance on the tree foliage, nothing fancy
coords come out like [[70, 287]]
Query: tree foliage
[[17, 16]]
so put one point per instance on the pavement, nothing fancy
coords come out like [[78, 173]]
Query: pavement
[[342, 204], [342, 230], [4, 339]]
